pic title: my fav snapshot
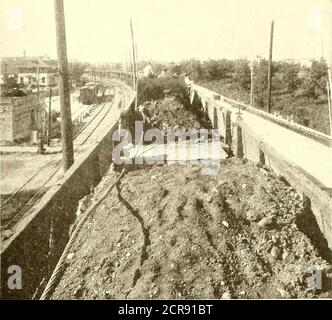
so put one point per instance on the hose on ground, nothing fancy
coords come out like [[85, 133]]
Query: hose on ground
[[55, 277]]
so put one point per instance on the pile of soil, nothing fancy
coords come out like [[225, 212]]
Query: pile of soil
[[170, 232], [172, 113]]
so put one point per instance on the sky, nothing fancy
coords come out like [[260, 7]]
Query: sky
[[166, 30]]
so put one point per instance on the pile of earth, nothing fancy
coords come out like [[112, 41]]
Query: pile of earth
[[168, 232], [172, 113]]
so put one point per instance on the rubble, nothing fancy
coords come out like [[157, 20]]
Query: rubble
[[143, 242]]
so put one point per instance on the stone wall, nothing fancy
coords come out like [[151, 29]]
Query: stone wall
[[19, 116], [40, 238]]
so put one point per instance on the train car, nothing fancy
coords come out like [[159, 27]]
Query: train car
[[109, 92], [88, 94]]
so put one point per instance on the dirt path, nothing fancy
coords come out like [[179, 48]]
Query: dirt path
[[170, 232]]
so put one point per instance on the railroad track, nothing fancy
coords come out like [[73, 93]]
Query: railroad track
[[80, 138]]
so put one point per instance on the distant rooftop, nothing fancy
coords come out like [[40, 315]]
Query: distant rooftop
[[13, 64]]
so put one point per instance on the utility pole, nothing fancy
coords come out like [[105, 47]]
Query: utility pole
[[65, 111], [49, 119], [252, 83], [136, 89], [329, 60], [269, 85], [329, 32], [132, 69], [37, 77], [329, 105], [134, 55]]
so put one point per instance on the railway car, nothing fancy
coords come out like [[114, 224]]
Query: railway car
[[109, 92], [87, 94]]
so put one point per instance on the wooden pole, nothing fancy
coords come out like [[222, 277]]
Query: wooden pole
[[49, 119], [329, 102], [134, 55], [37, 82], [252, 83], [65, 110], [132, 69], [269, 85], [136, 89]]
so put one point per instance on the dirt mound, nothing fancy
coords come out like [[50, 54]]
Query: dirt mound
[[172, 113], [170, 232]]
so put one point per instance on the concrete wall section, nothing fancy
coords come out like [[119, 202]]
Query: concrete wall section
[[250, 144], [40, 238], [321, 202]]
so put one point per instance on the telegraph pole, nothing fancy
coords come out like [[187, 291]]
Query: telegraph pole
[[37, 82], [132, 69], [66, 123], [49, 119], [134, 55], [329, 60], [269, 85], [252, 83]]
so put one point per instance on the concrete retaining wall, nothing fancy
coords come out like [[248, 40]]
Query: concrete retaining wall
[[19, 116], [40, 238], [246, 143], [307, 186]]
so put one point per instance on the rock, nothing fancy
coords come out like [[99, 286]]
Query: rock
[[128, 254], [79, 291], [253, 215], [226, 295], [70, 256], [275, 252], [225, 224], [156, 291], [266, 223], [6, 234], [283, 293], [242, 293], [265, 276], [153, 178], [285, 255]]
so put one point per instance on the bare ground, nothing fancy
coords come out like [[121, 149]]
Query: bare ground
[[169, 232]]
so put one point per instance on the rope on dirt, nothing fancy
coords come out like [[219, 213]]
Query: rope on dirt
[[55, 277]]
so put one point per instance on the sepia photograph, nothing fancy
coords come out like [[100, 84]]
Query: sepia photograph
[[154, 151]]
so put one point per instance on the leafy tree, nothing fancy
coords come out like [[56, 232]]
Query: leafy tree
[[290, 76], [194, 68], [77, 70], [212, 70], [242, 73], [314, 84]]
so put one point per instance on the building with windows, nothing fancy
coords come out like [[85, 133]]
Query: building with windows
[[21, 118], [26, 71]]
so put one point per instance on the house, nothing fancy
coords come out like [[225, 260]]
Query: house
[[27, 71], [21, 117]]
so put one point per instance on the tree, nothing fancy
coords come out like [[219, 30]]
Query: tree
[[290, 76], [314, 84], [193, 68], [76, 70], [242, 73]]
